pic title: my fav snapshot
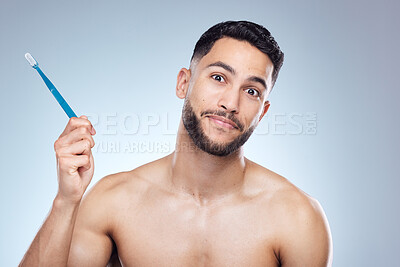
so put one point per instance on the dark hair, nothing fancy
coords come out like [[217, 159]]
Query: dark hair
[[253, 33]]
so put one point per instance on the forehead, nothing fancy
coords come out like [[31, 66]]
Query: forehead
[[240, 55]]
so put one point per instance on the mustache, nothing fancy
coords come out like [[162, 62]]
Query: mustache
[[224, 114]]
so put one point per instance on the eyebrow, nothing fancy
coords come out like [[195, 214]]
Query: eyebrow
[[222, 65], [233, 72], [258, 80]]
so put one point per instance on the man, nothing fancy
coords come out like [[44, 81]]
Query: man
[[203, 205]]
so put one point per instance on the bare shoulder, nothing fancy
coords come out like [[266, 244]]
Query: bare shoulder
[[281, 193], [117, 192], [301, 224], [101, 212], [118, 186], [274, 187]]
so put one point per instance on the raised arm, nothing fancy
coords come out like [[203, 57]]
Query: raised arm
[[75, 168]]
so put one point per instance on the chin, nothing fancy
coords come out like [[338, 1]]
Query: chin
[[219, 134], [222, 139]]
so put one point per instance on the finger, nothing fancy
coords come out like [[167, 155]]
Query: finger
[[81, 147], [76, 135], [92, 130], [75, 122], [89, 163], [70, 164]]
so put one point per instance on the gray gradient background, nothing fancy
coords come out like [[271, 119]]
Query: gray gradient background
[[122, 57]]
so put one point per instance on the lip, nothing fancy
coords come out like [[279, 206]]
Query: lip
[[223, 121]]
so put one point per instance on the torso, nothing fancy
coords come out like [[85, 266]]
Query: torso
[[153, 226]]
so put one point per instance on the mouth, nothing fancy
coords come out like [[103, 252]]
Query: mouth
[[224, 122]]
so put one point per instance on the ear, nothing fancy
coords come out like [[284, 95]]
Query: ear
[[266, 107], [182, 83]]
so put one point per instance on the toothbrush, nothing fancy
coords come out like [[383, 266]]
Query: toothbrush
[[51, 87]]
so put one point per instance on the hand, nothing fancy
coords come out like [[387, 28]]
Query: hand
[[75, 165]]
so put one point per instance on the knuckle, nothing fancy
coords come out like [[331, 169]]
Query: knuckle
[[59, 143], [70, 171], [80, 122], [56, 144], [84, 130], [85, 121], [59, 152], [87, 143]]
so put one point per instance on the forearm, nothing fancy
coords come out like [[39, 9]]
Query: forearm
[[52, 243]]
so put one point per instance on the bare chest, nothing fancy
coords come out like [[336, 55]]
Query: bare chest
[[174, 234]]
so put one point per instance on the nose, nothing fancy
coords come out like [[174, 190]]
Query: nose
[[229, 100]]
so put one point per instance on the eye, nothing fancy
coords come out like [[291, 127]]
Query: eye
[[218, 78], [252, 92]]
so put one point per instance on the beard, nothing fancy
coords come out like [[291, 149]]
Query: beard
[[202, 141]]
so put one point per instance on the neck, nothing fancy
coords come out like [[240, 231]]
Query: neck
[[204, 176]]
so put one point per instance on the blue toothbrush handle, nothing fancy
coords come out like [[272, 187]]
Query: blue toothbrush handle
[[56, 94]]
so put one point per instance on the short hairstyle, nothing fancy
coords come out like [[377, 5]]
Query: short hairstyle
[[253, 33]]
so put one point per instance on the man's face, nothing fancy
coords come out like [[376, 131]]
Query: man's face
[[226, 96]]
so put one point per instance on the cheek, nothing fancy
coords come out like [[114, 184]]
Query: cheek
[[253, 114], [204, 95]]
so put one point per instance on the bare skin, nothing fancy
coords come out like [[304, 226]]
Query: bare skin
[[190, 208]]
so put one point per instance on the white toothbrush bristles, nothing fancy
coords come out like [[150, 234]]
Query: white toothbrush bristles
[[31, 60]]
